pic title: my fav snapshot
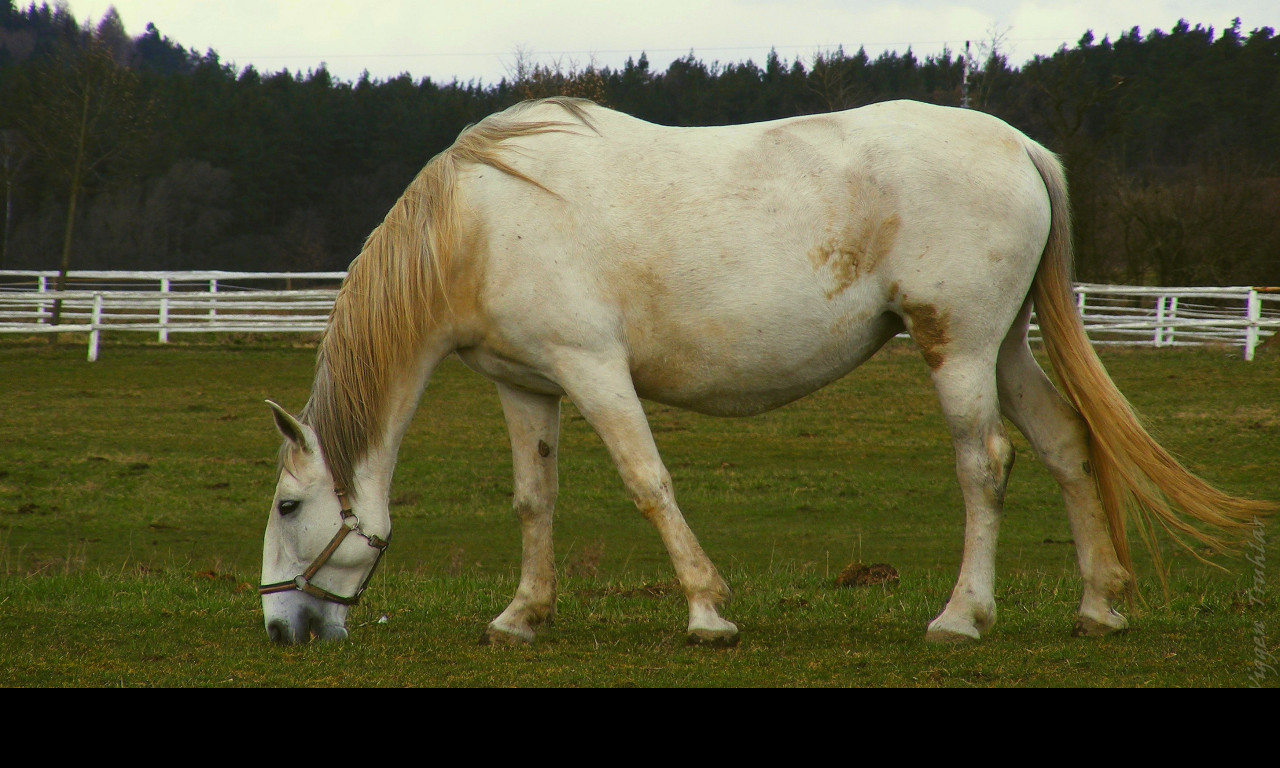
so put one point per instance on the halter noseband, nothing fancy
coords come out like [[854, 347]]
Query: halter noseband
[[302, 582]]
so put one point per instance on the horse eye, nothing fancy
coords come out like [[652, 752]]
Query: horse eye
[[288, 506]]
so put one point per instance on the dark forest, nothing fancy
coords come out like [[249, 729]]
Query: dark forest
[[136, 153]]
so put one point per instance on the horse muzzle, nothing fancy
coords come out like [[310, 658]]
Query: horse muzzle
[[294, 618]]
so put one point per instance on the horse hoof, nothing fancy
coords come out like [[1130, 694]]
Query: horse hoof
[[712, 639], [504, 637], [1113, 624], [712, 631], [943, 633], [946, 636]]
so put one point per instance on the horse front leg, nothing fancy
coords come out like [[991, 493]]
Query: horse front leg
[[534, 424], [605, 395]]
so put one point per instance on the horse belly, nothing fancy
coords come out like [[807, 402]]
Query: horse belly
[[739, 364]]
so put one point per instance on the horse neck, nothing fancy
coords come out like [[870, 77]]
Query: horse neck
[[372, 473], [389, 330]]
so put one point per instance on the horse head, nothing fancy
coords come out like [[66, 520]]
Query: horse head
[[313, 568]]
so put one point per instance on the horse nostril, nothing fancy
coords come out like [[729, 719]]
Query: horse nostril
[[320, 630], [329, 632], [279, 633]]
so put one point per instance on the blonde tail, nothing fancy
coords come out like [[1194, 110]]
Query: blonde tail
[[1134, 474]]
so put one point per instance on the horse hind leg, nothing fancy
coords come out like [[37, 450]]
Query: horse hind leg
[[966, 390], [1060, 439], [534, 424]]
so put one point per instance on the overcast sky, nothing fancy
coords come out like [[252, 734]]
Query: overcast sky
[[478, 39]]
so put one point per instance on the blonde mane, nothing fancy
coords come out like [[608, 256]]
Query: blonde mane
[[395, 289]]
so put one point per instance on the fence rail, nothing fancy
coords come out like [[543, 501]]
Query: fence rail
[[299, 302]]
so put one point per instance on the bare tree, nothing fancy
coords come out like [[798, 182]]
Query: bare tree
[[830, 80], [86, 116], [995, 65], [13, 155], [1212, 223], [559, 78]]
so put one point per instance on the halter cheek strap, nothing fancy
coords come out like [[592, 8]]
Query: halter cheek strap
[[302, 582]]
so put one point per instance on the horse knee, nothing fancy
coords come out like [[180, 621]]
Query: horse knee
[[988, 464], [530, 507], [1067, 456], [653, 496]]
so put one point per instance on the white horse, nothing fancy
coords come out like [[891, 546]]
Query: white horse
[[565, 250]]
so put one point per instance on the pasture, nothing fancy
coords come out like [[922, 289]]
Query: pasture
[[134, 491]]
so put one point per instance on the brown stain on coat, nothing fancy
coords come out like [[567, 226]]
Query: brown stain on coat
[[929, 330], [668, 348], [855, 254]]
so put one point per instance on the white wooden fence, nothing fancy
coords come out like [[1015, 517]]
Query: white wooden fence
[[1167, 317], [282, 302], [167, 302]]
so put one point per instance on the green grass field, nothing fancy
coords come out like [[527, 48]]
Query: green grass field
[[134, 491]]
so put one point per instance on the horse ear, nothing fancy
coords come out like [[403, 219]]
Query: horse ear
[[293, 430]]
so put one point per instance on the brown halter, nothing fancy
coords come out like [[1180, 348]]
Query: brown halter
[[302, 582]]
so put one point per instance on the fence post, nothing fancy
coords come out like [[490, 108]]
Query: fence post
[[1253, 311], [1080, 300], [1159, 339], [164, 310], [94, 322], [44, 288], [1171, 317], [213, 300]]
